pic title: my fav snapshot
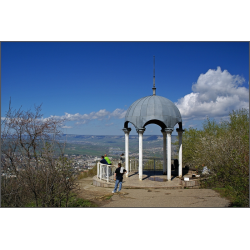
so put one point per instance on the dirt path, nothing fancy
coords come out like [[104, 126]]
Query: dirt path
[[98, 195], [150, 197]]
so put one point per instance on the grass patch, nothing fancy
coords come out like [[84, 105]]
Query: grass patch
[[79, 202], [105, 197], [30, 204], [73, 201], [225, 193], [90, 173]]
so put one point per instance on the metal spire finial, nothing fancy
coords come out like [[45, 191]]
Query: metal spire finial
[[154, 88]]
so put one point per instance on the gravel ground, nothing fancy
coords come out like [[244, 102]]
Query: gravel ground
[[150, 197], [167, 198]]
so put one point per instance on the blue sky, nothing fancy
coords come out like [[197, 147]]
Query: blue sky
[[94, 83]]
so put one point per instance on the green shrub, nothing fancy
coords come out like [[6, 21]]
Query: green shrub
[[90, 173], [224, 148]]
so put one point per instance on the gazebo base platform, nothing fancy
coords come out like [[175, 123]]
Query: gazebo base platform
[[151, 179]]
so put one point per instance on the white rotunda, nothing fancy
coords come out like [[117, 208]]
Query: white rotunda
[[158, 110]]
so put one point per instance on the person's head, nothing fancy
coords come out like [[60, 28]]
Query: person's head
[[122, 154], [102, 157], [105, 155], [119, 165]]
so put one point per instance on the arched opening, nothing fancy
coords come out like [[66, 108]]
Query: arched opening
[[126, 124], [180, 125], [157, 122]]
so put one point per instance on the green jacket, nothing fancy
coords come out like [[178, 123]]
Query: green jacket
[[107, 159]]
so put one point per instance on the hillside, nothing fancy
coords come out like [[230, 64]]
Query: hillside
[[112, 144]]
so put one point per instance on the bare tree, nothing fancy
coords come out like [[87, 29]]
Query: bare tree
[[34, 168]]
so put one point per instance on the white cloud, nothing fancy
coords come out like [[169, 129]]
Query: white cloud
[[109, 124], [99, 115], [215, 94], [192, 125], [80, 123], [118, 113], [66, 127]]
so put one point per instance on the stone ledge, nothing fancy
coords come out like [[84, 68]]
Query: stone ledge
[[100, 183], [190, 183]]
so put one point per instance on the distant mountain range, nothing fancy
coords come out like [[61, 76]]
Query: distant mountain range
[[101, 144], [98, 138], [97, 145]]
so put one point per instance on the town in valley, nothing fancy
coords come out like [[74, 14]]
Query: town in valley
[[84, 151]]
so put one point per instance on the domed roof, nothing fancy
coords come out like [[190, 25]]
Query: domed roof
[[153, 109]]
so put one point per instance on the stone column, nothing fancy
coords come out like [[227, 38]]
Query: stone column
[[180, 131], [164, 152], [127, 131], [169, 132], [140, 132]]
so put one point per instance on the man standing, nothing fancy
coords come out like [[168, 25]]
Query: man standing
[[122, 158], [118, 177], [107, 159], [103, 161]]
